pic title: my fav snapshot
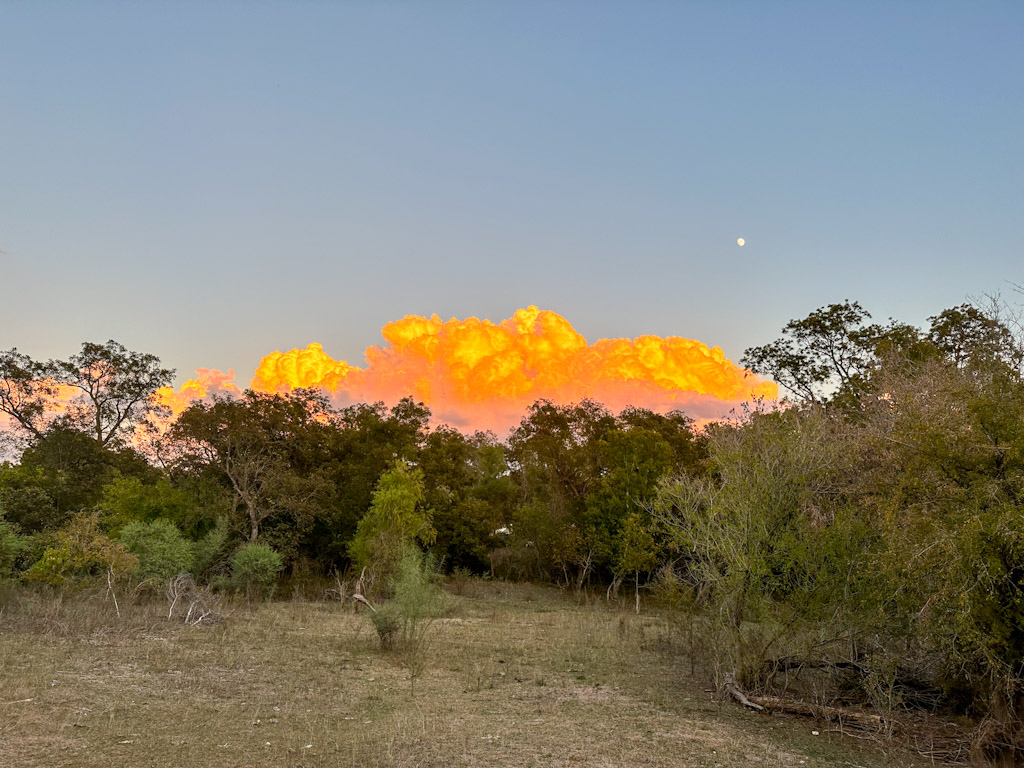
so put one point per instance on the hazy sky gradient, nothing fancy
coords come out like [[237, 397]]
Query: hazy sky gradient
[[213, 181]]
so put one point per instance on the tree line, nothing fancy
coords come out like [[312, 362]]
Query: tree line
[[862, 541]]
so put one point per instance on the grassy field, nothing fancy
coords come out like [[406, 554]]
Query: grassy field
[[515, 675]]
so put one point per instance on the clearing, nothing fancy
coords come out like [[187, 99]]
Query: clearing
[[516, 675]]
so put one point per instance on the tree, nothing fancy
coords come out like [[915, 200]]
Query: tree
[[82, 554], [368, 439], [829, 354], [966, 333], [633, 463], [26, 392], [468, 488], [268, 447], [10, 545], [160, 548], [117, 388], [637, 550], [759, 538], [396, 521], [556, 460], [105, 390]]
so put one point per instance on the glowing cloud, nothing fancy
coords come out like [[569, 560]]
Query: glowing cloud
[[476, 374], [208, 381]]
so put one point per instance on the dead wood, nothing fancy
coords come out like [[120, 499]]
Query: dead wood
[[364, 601], [842, 715], [835, 714], [734, 692]]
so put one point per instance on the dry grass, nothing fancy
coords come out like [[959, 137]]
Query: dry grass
[[516, 676]]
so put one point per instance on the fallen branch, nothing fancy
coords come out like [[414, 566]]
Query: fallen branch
[[734, 691], [841, 715], [821, 712], [357, 592], [364, 601]]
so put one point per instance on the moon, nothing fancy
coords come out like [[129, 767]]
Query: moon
[[741, 242]]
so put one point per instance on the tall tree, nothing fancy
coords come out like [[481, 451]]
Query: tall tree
[[828, 355], [117, 387], [27, 394], [105, 391], [267, 447]]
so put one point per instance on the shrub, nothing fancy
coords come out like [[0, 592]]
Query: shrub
[[161, 549], [82, 553], [387, 620], [395, 520], [255, 568], [211, 551], [10, 546], [418, 596]]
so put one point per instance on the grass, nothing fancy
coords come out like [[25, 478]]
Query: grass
[[516, 675]]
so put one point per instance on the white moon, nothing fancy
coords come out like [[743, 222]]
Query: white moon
[[741, 242]]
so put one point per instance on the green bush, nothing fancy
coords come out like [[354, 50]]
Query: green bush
[[387, 620], [211, 552], [82, 553], [10, 546], [255, 569], [161, 549]]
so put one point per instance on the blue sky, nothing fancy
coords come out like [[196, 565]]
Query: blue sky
[[213, 181]]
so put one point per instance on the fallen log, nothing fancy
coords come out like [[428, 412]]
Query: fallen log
[[821, 712], [841, 715]]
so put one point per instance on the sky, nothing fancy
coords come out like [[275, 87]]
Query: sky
[[210, 182]]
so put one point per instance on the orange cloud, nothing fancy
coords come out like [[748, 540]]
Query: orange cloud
[[476, 374]]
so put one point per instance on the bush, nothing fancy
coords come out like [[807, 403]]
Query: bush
[[82, 553], [419, 600], [387, 620], [10, 546], [161, 549], [211, 551], [255, 568]]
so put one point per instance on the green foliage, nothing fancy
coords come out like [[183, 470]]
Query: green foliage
[[404, 622], [10, 545], [634, 461], [61, 473], [369, 440], [211, 552], [417, 594], [636, 549], [396, 520], [387, 622], [127, 499], [161, 550], [269, 449], [255, 568], [26, 500], [761, 539], [467, 486], [82, 554]]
